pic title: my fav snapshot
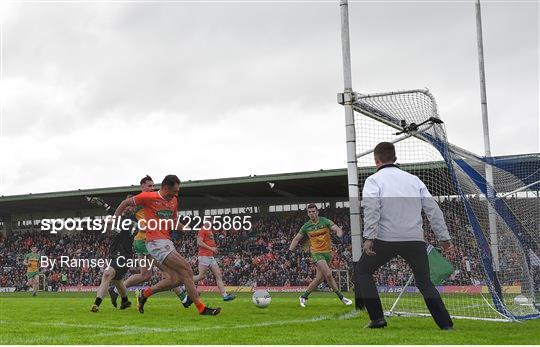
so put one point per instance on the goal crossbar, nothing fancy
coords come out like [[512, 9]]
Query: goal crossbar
[[380, 116]]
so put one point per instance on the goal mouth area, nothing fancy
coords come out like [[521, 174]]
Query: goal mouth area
[[497, 249]]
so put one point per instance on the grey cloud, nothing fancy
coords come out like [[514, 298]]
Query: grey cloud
[[122, 69]]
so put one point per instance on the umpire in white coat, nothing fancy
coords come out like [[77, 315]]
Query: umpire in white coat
[[393, 201]]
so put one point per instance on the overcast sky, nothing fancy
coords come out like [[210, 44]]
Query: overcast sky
[[100, 94]]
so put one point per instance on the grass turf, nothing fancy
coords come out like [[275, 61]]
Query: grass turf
[[65, 318]]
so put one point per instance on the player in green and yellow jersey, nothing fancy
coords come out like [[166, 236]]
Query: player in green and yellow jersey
[[317, 229], [31, 260]]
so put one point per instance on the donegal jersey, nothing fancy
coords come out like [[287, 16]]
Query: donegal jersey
[[160, 214], [32, 260], [207, 236], [319, 235], [139, 215]]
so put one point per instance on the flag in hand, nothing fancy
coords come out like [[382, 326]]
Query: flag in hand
[[439, 268]]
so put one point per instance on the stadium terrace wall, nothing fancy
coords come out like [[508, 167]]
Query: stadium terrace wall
[[299, 289]]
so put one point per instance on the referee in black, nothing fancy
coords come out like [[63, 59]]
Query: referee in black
[[393, 201]]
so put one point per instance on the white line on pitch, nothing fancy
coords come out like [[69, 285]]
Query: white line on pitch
[[345, 316], [130, 330]]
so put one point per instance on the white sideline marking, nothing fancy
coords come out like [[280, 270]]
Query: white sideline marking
[[131, 330], [64, 324]]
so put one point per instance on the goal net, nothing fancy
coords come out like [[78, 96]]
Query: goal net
[[491, 207]]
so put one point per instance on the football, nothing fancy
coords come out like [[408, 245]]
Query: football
[[261, 298], [521, 300]]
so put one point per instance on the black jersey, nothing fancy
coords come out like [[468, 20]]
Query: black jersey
[[121, 244], [123, 239]]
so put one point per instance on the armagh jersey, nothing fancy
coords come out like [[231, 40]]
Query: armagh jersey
[[207, 236], [159, 213], [319, 235]]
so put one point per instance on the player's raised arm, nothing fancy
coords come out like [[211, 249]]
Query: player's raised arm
[[123, 205], [295, 241]]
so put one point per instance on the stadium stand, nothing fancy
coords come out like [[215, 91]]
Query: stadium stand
[[258, 255]]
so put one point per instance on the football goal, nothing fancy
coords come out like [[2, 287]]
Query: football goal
[[491, 207]]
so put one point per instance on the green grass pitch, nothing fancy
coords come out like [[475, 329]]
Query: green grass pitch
[[65, 318]]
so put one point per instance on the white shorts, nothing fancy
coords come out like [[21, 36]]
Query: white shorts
[[207, 260], [160, 249]]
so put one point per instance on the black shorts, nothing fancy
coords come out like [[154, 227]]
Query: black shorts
[[120, 269]]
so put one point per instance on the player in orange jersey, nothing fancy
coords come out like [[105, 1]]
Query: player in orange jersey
[[207, 249], [160, 211]]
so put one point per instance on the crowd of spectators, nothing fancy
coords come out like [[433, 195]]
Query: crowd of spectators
[[83, 245], [247, 257]]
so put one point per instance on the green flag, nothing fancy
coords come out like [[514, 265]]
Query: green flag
[[439, 268]]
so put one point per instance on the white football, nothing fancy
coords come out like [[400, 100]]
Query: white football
[[521, 300], [261, 298]]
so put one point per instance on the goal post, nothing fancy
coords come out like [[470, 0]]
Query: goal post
[[346, 99], [496, 276]]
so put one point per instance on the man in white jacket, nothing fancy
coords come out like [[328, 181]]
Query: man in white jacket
[[393, 201]]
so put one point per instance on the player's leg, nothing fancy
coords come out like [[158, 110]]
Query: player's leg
[[166, 273], [180, 292], [318, 279], [203, 269], [415, 254], [170, 280], [31, 282], [120, 272], [214, 267], [144, 275], [35, 284], [106, 279], [324, 268], [365, 268], [159, 250], [177, 271], [123, 292], [145, 272], [183, 268]]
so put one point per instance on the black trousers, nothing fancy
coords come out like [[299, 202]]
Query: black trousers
[[415, 254]]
